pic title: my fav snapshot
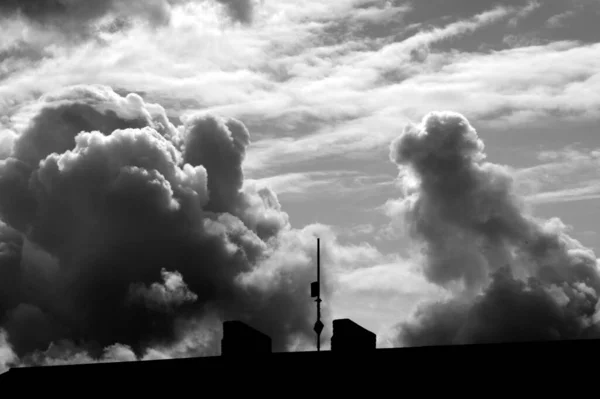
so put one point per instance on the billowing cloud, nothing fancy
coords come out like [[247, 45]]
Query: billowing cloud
[[65, 352], [514, 277], [7, 138], [11, 244], [193, 338], [173, 292], [7, 355], [102, 196], [509, 310], [221, 155]]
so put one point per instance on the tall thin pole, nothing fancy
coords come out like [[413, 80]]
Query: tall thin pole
[[319, 292], [315, 291]]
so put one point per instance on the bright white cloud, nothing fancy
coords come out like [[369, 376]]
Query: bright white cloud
[[173, 292], [302, 183], [281, 67], [7, 355], [400, 277]]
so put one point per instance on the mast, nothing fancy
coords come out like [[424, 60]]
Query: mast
[[315, 291]]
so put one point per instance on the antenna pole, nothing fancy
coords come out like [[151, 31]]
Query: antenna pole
[[319, 296], [315, 291], [319, 292]]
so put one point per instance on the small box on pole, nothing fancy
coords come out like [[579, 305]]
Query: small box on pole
[[314, 289]]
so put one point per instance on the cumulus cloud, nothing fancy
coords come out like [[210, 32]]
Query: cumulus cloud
[[173, 292], [7, 355], [224, 166], [7, 138], [195, 337], [66, 352], [509, 310], [513, 277], [101, 195]]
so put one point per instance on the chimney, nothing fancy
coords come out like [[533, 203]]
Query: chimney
[[241, 339], [349, 337]]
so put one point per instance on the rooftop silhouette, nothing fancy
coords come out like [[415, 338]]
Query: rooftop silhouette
[[240, 339], [352, 362], [351, 337]]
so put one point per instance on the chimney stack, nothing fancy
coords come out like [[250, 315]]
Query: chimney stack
[[349, 337], [240, 339]]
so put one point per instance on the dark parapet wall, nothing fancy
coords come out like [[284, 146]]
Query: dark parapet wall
[[239, 339], [349, 337], [337, 376]]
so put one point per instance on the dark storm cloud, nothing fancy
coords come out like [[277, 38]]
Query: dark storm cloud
[[509, 310], [30, 328], [59, 117], [77, 17], [10, 274], [239, 10], [109, 198], [471, 223], [220, 146]]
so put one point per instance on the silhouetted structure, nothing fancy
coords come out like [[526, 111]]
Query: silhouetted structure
[[349, 337], [315, 291], [341, 371], [240, 339]]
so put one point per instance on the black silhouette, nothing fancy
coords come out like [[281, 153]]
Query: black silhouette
[[240, 339], [315, 291], [349, 337], [353, 362]]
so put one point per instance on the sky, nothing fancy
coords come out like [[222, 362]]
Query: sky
[[169, 164]]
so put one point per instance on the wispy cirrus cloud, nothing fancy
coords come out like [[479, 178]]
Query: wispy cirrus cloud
[[234, 61], [559, 19], [302, 183], [531, 7], [588, 191], [566, 175], [506, 88], [344, 190]]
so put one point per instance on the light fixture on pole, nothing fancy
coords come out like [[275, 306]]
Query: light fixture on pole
[[315, 291]]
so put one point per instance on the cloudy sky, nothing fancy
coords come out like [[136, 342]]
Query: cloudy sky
[[178, 158]]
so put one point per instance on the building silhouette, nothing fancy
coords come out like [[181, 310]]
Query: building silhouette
[[240, 339], [349, 337], [247, 366]]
